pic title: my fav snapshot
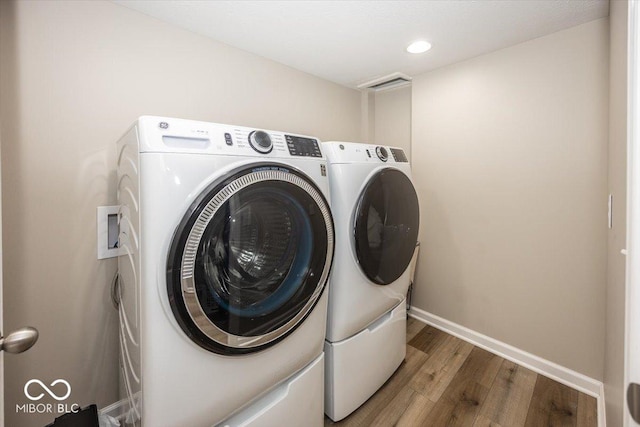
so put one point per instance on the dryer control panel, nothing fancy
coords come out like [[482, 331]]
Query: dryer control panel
[[351, 152]]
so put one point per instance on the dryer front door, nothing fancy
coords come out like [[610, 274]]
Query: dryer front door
[[250, 259], [386, 226]]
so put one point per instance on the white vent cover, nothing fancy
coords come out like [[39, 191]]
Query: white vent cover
[[389, 81]]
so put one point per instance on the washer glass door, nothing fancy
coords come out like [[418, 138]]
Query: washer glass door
[[250, 260], [386, 226]]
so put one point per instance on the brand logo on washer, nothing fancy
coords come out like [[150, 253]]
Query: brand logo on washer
[[163, 125]]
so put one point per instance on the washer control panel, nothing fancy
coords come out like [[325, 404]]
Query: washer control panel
[[260, 141], [162, 134], [304, 147]]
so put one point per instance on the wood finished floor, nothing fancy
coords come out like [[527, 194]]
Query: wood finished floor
[[445, 381]]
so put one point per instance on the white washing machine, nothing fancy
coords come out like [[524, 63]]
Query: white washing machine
[[226, 242], [376, 214]]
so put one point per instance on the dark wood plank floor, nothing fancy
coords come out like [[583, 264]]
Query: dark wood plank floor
[[445, 381]]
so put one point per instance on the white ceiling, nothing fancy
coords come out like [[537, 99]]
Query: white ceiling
[[350, 42]]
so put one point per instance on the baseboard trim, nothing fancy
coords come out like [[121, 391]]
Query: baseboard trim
[[537, 364]]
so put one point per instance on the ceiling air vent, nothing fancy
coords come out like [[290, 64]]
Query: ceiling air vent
[[394, 80]]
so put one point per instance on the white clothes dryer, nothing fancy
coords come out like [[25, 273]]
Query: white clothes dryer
[[376, 214], [226, 242]]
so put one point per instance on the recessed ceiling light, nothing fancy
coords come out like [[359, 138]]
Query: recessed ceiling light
[[419, 46]]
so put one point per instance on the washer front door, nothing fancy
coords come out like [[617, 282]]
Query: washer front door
[[386, 226], [250, 259]]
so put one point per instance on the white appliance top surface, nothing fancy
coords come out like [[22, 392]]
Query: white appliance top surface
[[170, 135]]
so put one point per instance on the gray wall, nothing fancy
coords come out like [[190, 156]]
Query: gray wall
[[393, 118], [614, 345], [74, 76], [510, 164]]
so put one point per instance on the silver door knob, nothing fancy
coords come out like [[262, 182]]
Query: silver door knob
[[18, 341]]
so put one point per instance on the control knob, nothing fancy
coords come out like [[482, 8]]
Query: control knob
[[382, 153], [260, 141]]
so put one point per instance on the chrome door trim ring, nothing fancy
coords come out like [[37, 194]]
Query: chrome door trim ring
[[192, 304]]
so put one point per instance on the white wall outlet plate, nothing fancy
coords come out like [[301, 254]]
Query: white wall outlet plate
[[108, 231]]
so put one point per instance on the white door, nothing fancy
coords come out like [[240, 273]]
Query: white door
[[632, 362], [14, 342]]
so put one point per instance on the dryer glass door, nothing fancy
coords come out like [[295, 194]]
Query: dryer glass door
[[386, 226], [250, 260]]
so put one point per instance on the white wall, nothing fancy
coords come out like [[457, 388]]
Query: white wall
[[393, 118], [368, 117], [617, 180], [74, 76], [510, 163]]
